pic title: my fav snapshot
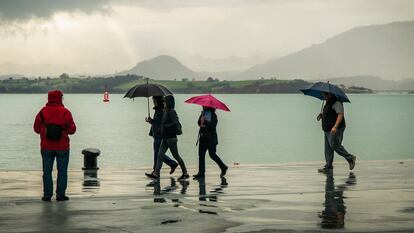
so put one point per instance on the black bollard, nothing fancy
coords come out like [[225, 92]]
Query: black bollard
[[90, 158]]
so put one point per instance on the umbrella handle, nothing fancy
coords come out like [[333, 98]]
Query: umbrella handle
[[148, 99], [319, 117], [148, 107], [323, 102]]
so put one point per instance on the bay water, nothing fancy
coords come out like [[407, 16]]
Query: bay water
[[260, 129]]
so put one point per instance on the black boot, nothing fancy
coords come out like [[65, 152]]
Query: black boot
[[62, 198], [46, 198], [224, 171]]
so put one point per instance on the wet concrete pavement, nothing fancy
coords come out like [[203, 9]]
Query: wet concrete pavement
[[378, 196]]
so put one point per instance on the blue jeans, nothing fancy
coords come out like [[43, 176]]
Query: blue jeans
[[170, 162], [333, 143], [48, 158]]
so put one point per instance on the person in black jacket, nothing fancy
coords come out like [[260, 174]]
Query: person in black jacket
[[333, 125], [208, 141], [170, 128], [155, 132]]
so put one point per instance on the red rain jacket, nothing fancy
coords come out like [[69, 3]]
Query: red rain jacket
[[54, 113]]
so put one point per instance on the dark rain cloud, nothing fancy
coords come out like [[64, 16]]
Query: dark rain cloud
[[171, 4], [24, 10], [12, 11]]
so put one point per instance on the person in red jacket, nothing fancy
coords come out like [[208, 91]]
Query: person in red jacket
[[54, 123]]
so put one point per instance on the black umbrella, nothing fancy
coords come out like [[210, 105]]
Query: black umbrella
[[147, 90], [317, 89]]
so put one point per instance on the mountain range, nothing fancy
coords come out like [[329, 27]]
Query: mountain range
[[378, 50], [385, 51], [373, 82]]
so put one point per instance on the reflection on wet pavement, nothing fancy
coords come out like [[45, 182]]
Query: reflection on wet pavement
[[204, 198], [252, 198], [333, 216], [158, 192], [90, 180]]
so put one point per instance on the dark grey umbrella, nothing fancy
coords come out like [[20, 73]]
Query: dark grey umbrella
[[317, 89], [147, 90]]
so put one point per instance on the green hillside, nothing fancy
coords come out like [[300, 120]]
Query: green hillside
[[120, 84]]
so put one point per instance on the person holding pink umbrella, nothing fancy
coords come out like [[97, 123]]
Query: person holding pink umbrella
[[208, 139]]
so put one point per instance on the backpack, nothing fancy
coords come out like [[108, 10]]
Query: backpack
[[179, 128], [53, 132]]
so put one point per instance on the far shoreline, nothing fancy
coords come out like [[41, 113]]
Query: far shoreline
[[121, 84]]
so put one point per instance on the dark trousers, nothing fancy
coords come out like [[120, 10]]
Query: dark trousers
[[333, 143], [62, 159], [170, 162], [202, 149], [169, 143]]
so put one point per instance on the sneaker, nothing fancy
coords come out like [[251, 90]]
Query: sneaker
[[352, 163], [62, 198], [46, 198], [183, 177], [224, 171], [198, 175], [152, 176], [324, 170], [173, 169]]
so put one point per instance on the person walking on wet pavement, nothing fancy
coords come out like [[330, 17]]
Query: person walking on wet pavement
[[170, 128], [208, 141], [155, 132], [54, 123], [333, 125]]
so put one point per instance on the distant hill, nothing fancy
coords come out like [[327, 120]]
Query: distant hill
[[162, 67], [377, 50], [372, 82], [218, 65]]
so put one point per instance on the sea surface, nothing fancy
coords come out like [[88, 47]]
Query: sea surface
[[260, 129]]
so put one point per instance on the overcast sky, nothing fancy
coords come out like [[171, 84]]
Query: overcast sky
[[48, 37]]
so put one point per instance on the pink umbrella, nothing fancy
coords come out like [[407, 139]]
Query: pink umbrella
[[208, 101]]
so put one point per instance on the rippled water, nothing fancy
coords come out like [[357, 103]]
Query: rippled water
[[261, 129]]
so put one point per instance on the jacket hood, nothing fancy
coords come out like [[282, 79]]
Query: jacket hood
[[169, 101], [54, 98], [209, 109], [158, 102]]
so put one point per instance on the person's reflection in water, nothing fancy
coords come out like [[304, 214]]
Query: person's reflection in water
[[157, 190], [219, 189], [53, 215], [333, 216], [172, 187], [213, 197], [184, 186], [201, 189], [168, 189]]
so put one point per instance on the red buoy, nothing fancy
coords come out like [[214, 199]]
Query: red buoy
[[106, 97]]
